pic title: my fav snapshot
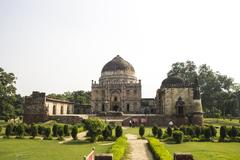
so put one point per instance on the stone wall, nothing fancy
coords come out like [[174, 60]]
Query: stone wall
[[68, 119]]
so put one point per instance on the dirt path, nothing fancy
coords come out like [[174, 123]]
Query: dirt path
[[81, 136], [139, 149]]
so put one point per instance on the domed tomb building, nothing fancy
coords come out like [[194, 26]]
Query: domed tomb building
[[118, 88], [179, 102]]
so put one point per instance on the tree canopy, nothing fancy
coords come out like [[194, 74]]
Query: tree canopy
[[220, 95]]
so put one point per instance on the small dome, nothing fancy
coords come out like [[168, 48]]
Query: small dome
[[172, 81], [116, 64]]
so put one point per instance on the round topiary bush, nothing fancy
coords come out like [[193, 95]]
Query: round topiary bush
[[107, 132], [141, 130], [118, 131], [74, 132], [160, 133], [154, 131], [178, 136]]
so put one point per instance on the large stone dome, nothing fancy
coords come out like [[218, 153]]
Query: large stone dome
[[118, 64], [172, 81]]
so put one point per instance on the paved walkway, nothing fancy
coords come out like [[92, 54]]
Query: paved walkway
[[138, 148]]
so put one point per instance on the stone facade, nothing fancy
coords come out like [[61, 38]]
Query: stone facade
[[38, 107], [118, 88], [180, 101]]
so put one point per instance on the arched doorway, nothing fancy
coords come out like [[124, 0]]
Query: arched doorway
[[115, 108]]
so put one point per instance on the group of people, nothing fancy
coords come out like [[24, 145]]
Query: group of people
[[131, 123]]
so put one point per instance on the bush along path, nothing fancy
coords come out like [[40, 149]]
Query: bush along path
[[138, 148]]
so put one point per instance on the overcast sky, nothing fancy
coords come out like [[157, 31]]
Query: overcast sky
[[57, 46]]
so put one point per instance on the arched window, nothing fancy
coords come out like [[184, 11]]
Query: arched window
[[68, 109], [54, 109], [61, 109], [115, 98], [103, 107], [128, 108]]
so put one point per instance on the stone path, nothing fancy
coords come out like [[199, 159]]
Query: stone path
[[138, 148]]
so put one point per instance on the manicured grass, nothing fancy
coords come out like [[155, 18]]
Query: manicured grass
[[208, 150], [128, 130], [28, 149], [220, 122]]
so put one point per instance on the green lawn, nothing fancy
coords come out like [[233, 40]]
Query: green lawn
[[220, 122], [27, 149], [128, 130], [208, 150]]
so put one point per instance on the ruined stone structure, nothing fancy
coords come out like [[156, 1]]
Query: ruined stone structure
[[118, 88], [179, 102], [38, 107]]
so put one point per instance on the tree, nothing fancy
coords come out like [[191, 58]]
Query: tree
[[7, 94], [118, 131], [34, 130], [159, 133], [154, 131], [141, 130], [74, 132], [94, 126], [107, 132], [65, 129]]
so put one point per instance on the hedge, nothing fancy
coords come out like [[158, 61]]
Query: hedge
[[158, 149], [119, 148]]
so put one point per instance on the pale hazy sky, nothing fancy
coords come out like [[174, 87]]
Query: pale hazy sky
[[57, 46]]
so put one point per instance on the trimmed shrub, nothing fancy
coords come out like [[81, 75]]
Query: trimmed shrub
[[118, 131], [34, 131], [213, 130], [65, 130], [141, 130], [223, 132], [119, 148], [27, 129], [40, 130], [0, 129], [169, 131], [197, 131], [107, 132], [183, 129], [8, 130], [207, 133], [158, 149], [160, 133], [234, 132], [60, 132], [190, 131], [154, 131], [74, 132], [178, 136], [47, 133], [20, 131], [94, 126], [54, 130]]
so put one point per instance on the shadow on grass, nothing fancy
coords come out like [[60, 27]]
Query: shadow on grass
[[77, 142]]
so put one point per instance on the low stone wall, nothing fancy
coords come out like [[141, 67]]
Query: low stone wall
[[66, 119], [34, 118]]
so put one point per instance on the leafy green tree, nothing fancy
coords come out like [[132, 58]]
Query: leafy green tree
[[118, 131], [141, 130], [94, 126], [154, 131], [107, 132], [7, 94], [74, 132]]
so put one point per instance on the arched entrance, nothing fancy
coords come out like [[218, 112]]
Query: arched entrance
[[115, 108]]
